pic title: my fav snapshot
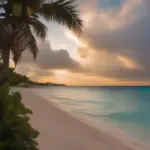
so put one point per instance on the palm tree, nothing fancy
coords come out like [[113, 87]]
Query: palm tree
[[20, 25]]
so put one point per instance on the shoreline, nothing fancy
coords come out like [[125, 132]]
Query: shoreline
[[62, 130]]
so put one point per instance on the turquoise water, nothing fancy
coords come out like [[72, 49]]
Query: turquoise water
[[126, 107]]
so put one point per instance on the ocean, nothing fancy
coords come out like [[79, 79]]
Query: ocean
[[126, 108]]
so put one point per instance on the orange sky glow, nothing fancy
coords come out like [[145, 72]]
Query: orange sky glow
[[104, 54]]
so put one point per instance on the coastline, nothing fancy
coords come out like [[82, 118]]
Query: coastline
[[62, 130]]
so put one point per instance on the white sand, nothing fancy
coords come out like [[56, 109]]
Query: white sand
[[61, 131]]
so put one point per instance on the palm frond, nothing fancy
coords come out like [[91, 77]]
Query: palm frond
[[39, 28], [63, 12], [32, 45], [23, 40], [19, 41]]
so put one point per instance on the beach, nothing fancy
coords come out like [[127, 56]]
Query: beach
[[59, 130]]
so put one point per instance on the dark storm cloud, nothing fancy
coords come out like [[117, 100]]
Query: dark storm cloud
[[46, 61], [131, 41], [118, 73], [124, 74], [51, 59]]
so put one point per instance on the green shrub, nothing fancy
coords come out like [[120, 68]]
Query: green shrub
[[15, 78], [15, 131]]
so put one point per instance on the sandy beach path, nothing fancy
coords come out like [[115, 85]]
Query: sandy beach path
[[60, 131]]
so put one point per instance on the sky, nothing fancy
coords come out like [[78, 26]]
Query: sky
[[113, 49]]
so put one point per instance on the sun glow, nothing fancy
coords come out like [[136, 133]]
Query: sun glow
[[128, 63], [71, 36], [61, 73]]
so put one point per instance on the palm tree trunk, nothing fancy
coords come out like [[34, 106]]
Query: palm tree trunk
[[5, 66], [24, 11]]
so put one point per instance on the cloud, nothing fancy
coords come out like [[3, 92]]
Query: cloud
[[47, 61], [115, 46], [123, 33], [51, 59], [32, 71]]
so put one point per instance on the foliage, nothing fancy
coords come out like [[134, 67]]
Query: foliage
[[63, 12], [15, 131], [15, 78]]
